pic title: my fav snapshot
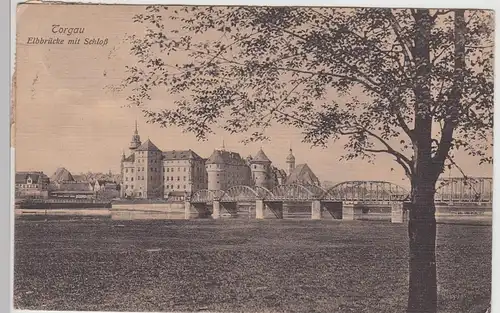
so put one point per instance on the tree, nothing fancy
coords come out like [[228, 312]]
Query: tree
[[415, 84]]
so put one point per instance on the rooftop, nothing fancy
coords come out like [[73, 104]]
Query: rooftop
[[261, 157], [62, 174], [148, 145], [225, 157], [181, 155]]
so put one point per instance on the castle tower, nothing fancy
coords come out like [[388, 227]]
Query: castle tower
[[136, 140], [148, 167], [215, 166], [290, 161], [261, 169]]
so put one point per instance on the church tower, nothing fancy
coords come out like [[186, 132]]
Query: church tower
[[122, 175], [290, 161], [136, 140]]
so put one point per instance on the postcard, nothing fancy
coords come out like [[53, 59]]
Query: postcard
[[252, 159]]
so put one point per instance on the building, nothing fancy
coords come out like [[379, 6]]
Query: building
[[226, 169], [290, 162], [148, 172], [151, 173], [31, 185], [183, 172], [302, 175], [142, 170], [61, 175], [261, 170], [279, 176], [64, 185], [73, 189]]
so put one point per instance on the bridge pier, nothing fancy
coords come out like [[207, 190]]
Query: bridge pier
[[216, 209], [195, 210], [316, 210], [399, 214], [351, 211], [187, 210], [259, 209]]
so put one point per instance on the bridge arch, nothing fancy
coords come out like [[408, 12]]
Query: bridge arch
[[317, 191], [367, 191], [202, 196], [263, 192], [240, 193], [293, 192]]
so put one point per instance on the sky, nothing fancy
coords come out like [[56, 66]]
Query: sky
[[66, 117]]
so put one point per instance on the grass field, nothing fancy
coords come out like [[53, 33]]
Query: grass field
[[239, 266]]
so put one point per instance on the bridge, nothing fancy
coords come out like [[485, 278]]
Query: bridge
[[341, 201]]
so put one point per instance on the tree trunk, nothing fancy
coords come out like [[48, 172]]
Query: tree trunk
[[422, 292], [422, 297]]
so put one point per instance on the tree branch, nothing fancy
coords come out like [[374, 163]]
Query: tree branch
[[389, 148], [400, 161], [406, 44]]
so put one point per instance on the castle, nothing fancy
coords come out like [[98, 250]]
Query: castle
[[149, 173]]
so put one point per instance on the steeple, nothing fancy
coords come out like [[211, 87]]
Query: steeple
[[290, 161], [136, 139], [223, 147]]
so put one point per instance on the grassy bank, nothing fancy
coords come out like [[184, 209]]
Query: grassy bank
[[239, 266]]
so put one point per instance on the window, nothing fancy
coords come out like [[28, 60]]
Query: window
[[184, 169], [184, 187], [168, 169], [131, 170], [217, 174], [163, 170], [178, 178], [178, 187], [126, 178], [126, 186], [126, 170], [184, 178], [132, 186], [131, 179]]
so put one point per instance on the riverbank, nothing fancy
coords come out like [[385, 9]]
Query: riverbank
[[251, 266]]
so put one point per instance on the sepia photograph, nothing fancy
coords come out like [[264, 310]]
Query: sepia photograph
[[253, 159]]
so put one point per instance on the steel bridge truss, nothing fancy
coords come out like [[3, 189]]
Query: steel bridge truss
[[478, 189], [463, 190], [365, 191]]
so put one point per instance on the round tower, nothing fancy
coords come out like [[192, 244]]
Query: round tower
[[290, 161], [216, 169], [261, 167], [136, 139]]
